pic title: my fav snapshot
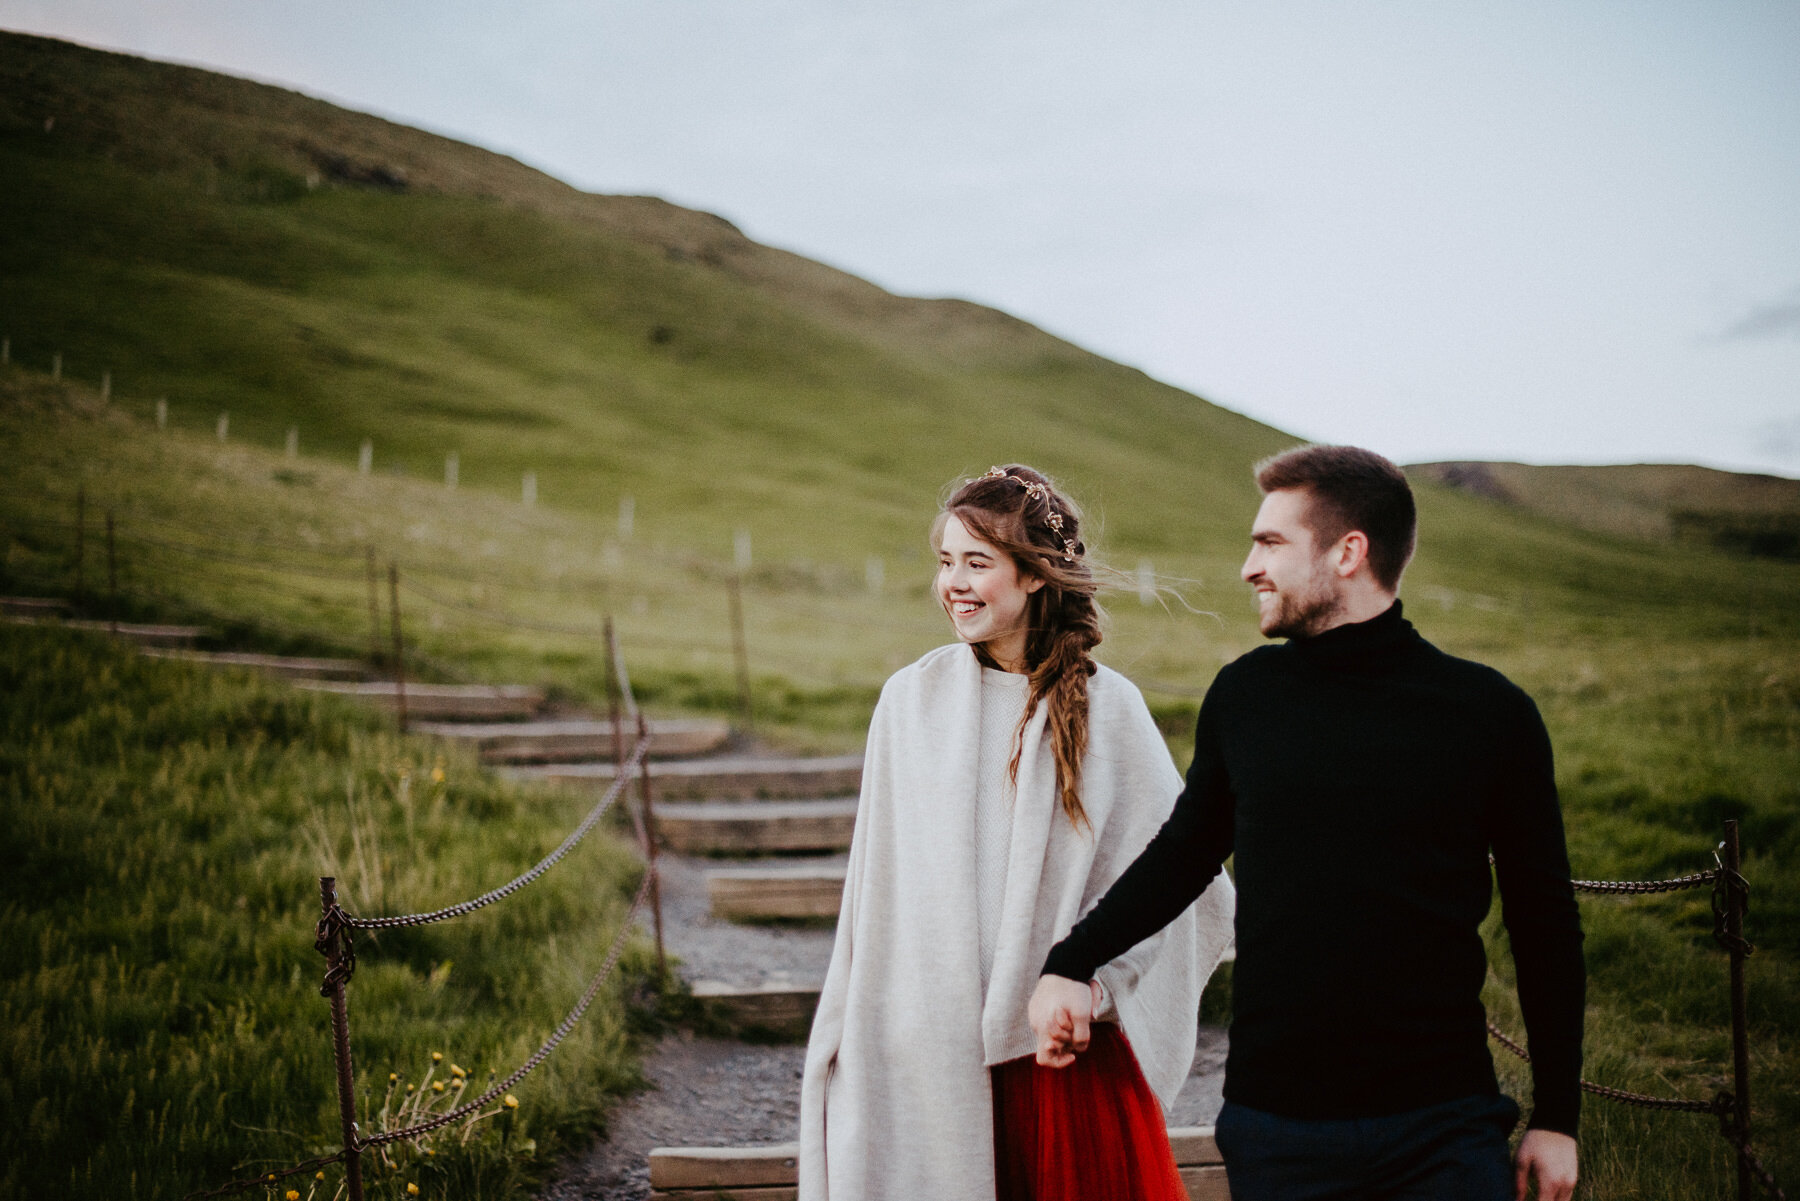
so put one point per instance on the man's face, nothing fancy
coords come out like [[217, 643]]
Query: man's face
[[1297, 592]]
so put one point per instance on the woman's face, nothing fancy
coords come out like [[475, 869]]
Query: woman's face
[[985, 594]]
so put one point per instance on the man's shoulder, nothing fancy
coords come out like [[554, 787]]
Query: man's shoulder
[[1476, 680], [1271, 657]]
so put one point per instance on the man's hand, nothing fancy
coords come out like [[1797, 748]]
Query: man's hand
[[1544, 1156], [1060, 1012]]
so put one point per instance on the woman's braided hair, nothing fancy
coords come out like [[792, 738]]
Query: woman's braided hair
[[1020, 513]]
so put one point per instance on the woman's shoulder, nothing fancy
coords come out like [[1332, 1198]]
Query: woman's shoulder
[[1110, 688], [933, 665]]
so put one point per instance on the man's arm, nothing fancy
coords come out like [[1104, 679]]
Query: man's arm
[[1173, 869], [1542, 921]]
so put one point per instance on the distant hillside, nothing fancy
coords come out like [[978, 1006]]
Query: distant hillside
[[243, 249], [1752, 514]]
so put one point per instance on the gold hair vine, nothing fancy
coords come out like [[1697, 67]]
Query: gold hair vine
[[1037, 489]]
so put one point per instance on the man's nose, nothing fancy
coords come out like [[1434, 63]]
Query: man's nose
[[1251, 569]]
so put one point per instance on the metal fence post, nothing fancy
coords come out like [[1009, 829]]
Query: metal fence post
[[399, 645], [332, 941], [1740, 1025]]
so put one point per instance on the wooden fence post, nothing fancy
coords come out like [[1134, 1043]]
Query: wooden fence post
[[112, 579], [80, 541], [374, 614], [740, 651], [399, 645]]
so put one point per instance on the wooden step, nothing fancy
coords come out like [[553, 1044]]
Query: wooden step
[[747, 1173], [143, 635], [727, 778], [771, 1173], [34, 606], [756, 827], [575, 740], [443, 702], [760, 894], [283, 666], [774, 1009]]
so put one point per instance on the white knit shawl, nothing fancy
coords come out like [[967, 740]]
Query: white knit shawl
[[895, 1102]]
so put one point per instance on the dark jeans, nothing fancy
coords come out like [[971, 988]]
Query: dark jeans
[[1450, 1152]]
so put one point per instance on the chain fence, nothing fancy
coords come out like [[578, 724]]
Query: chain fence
[[1730, 902], [334, 935]]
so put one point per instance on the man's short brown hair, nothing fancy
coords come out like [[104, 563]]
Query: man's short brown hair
[[1350, 489]]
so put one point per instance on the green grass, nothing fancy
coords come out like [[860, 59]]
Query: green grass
[[495, 313], [158, 988]]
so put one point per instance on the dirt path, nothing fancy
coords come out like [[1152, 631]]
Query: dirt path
[[717, 1092]]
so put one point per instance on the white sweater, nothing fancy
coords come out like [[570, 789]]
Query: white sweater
[[895, 1102]]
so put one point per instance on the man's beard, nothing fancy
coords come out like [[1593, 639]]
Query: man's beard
[[1304, 614]]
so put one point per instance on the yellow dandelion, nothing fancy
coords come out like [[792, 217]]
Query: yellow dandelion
[[412, 1190], [437, 775], [318, 1175], [431, 1151], [437, 1086], [393, 1076], [456, 1071], [437, 1057], [293, 1194], [410, 1087], [511, 1101]]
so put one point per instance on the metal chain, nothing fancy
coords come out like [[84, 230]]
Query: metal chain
[[1638, 887], [1641, 1100], [1728, 882], [335, 923], [268, 1178], [1635, 887], [556, 1036], [1763, 1176], [632, 763]]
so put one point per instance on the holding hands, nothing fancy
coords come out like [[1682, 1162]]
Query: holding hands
[[1061, 1010]]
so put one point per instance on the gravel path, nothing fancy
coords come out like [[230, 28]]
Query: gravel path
[[719, 1092]]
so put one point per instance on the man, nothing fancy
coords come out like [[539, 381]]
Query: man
[[1361, 777]]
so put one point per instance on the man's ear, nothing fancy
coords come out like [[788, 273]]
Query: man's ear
[[1350, 553]]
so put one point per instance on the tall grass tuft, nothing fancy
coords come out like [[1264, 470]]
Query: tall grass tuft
[[162, 1025]]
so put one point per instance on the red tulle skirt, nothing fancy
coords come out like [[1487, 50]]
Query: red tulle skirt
[[1092, 1131]]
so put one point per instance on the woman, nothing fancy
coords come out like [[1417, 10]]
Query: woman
[[1008, 780]]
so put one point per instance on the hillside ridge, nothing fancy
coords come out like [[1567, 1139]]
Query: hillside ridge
[[171, 118]]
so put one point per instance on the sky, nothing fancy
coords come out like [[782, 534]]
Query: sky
[[1560, 231]]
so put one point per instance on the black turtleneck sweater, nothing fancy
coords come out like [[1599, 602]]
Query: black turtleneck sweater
[[1362, 777]]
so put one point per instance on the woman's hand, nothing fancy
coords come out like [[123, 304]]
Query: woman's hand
[[1060, 1012]]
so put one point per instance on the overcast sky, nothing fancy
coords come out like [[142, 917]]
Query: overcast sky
[[1558, 232]]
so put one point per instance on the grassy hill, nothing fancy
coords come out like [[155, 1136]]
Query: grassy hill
[[235, 249], [1734, 511]]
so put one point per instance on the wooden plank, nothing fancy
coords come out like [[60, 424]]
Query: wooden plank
[[33, 606], [1194, 1146], [776, 893], [442, 701], [724, 1167], [575, 740], [776, 1008], [1206, 1183], [756, 827], [733, 778], [145, 635], [283, 666], [759, 1173]]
